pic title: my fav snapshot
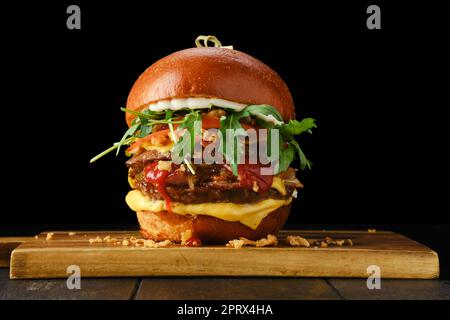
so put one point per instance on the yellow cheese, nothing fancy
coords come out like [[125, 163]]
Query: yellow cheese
[[248, 214], [131, 181], [166, 148], [278, 184]]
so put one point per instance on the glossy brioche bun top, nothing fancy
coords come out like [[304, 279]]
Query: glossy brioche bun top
[[211, 72]]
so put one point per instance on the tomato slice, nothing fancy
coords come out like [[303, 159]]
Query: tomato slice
[[210, 122], [160, 137], [250, 174]]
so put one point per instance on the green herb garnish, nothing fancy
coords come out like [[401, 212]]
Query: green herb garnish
[[265, 116], [268, 117]]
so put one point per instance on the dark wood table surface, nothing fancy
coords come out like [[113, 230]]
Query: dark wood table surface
[[221, 288]]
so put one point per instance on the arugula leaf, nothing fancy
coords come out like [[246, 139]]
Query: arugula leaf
[[144, 130], [263, 109], [192, 123], [304, 162], [263, 124], [130, 132], [148, 114], [143, 120], [286, 157], [295, 127], [263, 113], [231, 122], [135, 121], [265, 116], [287, 133], [169, 114], [110, 149]]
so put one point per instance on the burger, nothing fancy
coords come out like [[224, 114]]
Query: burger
[[198, 121]]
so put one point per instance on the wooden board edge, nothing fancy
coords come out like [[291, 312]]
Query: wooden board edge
[[437, 265], [427, 266], [325, 231], [7, 245], [13, 265]]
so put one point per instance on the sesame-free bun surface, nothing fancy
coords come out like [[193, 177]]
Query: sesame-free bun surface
[[211, 73]]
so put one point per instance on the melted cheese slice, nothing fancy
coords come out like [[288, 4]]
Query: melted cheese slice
[[168, 147], [248, 214], [278, 184]]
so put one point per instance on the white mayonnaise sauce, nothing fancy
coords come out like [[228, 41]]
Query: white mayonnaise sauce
[[195, 103]]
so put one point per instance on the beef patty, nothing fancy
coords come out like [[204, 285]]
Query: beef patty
[[211, 183]]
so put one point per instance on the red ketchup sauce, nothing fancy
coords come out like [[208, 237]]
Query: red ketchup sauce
[[252, 172], [157, 178]]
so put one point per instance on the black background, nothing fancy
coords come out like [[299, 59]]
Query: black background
[[379, 151]]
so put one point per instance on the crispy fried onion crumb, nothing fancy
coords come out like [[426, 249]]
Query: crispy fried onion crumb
[[297, 241], [131, 241], [95, 240], [49, 236], [371, 230], [138, 242], [159, 244], [236, 244], [270, 240], [165, 165], [108, 239]]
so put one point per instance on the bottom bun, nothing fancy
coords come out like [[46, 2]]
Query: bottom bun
[[164, 225]]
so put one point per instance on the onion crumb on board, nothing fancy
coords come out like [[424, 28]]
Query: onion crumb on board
[[131, 242], [236, 244], [298, 241], [95, 240], [270, 240], [157, 244]]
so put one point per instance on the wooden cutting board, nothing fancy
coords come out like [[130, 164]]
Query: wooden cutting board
[[7, 245], [396, 255]]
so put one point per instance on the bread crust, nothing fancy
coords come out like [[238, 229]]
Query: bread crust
[[211, 73], [164, 225]]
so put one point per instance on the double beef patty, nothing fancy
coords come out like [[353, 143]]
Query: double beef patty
[[211, 183]]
